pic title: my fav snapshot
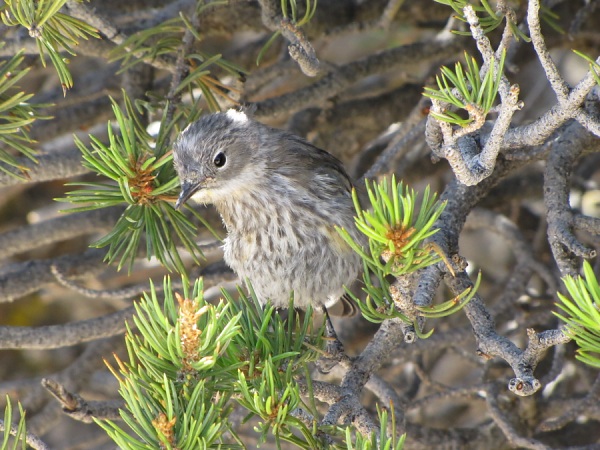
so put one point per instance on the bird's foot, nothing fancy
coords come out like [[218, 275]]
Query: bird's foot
[[334, 349]]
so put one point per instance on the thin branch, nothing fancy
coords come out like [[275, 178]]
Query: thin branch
[[21, 279], [557, 83], [77, 408], [564, 244], [74, 377], [536, 132], [181, 70], [335, 82], [92, 16], [400, 146], [378, 350], [504, 424], [300, 49], [470, 163], [62, 228], [31, 439], [49, 166], [574, 412], [390, 11], [72, 333], [491, 344], [519, 245]]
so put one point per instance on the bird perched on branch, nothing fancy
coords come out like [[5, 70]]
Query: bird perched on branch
[[280, 199]]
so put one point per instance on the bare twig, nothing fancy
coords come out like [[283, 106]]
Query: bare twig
[[300, 49], [80, 409]]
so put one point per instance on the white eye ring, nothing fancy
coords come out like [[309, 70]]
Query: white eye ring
[[220, 160]]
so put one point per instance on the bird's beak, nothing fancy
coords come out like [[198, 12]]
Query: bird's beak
[[187, 190]]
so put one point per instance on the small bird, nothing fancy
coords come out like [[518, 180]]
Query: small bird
[[280, 199]]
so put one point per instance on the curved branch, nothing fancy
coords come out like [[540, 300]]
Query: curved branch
[[59, 229], [21, 279], [375, 354], [565, 246], [56, 336]]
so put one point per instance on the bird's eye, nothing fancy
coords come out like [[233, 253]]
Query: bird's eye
[[220, 159]]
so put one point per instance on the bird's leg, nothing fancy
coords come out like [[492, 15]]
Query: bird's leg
[[334, 349], [335, 346]]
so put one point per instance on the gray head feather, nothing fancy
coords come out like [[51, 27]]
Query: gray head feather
[[225, 153]]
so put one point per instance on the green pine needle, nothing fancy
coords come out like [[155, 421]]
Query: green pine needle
[[395, 231], [140, 174], [54, 32], [165, 39], [386, 439], [593, 65], [16, 116], [465, 90], [397, 228], [190, 360], [582, 314], [19, 436]]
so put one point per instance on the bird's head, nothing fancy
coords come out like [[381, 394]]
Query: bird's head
[[216, 156]]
